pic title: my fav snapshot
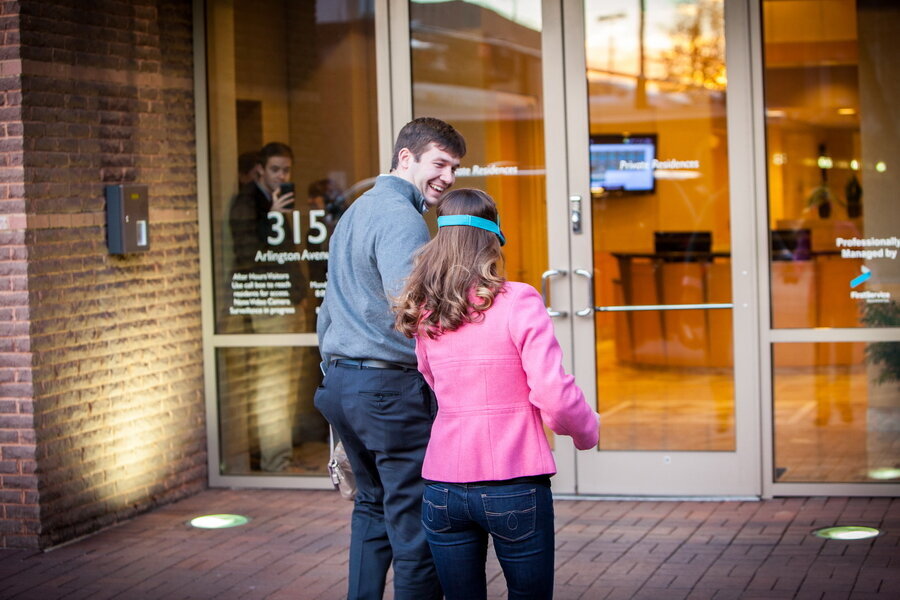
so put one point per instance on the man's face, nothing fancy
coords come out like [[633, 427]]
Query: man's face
[[432, 174], [276, 171]]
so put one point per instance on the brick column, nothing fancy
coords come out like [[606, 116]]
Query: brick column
[[19, 512], [113, 423]]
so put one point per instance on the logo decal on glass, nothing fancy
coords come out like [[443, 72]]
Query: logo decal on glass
[[862, 278]]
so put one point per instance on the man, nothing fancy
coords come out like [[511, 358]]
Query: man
[[248, 168], [276, 391], [372, 394]]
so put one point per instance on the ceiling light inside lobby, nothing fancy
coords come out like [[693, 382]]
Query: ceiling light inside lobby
[[222, 521]]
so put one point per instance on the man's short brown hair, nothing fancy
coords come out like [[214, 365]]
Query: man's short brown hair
[[419, 134], [275, 149]]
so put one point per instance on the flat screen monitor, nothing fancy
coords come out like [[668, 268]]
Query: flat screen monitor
[[622, 164]]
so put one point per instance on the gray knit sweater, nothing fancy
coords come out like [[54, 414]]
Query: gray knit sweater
[[370, 255]]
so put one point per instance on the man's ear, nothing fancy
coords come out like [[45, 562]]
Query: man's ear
[[404, 157]]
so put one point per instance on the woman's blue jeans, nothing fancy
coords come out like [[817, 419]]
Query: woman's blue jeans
[[458, 518]]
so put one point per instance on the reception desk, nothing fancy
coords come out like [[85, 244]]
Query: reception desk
[[805, 294]]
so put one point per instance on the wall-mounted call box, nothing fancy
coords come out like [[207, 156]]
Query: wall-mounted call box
[[127, 218]]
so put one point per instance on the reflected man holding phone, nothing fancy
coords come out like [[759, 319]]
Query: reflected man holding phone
[[253, 217]]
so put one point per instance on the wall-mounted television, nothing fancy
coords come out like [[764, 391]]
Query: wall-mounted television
[[622, 164]]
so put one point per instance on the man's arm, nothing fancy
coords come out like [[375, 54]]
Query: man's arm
[[323, 322], [396, 244]]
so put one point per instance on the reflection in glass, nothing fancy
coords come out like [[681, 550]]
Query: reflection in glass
[[267, 421], [837, 412], [830, 91], [300, 77], [301, 74], [661, 227], [477, 65]]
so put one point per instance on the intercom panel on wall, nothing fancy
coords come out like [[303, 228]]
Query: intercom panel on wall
[[127, 218]]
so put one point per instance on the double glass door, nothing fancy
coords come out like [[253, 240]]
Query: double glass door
[[601, 130]]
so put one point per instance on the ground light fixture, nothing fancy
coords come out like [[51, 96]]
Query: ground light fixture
[[218, 521], [847, 532], [885, 473]]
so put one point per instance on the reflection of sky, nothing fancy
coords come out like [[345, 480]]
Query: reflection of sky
[[524, 12], [611, 29]]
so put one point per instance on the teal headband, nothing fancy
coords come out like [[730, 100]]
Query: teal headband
[[472, 221]]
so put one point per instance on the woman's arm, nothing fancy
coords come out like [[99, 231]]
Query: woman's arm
[[561, 402]]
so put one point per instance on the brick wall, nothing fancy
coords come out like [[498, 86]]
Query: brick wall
[[118, 410], [18, 482]]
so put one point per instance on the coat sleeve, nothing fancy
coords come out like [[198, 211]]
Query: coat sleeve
[[561, 402]]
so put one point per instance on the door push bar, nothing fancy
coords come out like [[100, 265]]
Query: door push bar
[[591, 309], [661, 307]]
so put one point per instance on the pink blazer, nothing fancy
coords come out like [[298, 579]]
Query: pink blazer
[[497, 381]]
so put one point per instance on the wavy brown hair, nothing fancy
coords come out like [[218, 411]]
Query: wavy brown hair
[[455, 276]]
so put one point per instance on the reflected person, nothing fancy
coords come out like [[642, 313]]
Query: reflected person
[[264, 284]]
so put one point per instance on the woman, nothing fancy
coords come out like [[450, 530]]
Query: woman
[[486, 346]]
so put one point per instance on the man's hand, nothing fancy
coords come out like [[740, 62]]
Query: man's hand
[[282, 202]]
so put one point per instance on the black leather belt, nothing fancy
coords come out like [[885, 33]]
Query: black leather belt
[[371, 363]]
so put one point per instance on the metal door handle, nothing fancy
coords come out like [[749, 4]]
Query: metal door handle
[[545, 277], [589, 309]]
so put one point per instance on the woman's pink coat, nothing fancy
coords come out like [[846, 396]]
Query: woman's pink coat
[[497, 380]]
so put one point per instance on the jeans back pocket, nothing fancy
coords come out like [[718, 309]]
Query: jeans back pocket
[[510, 516], [435, 515]]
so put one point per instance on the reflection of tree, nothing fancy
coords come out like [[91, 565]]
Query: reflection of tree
[[697, 55]]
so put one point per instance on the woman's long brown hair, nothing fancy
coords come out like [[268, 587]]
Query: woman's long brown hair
[[455, 276]]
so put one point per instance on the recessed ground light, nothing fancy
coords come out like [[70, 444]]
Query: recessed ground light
[[885, 473], [847, 532], [219, 521]]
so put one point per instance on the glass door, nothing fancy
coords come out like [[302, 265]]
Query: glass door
[[661, 313]]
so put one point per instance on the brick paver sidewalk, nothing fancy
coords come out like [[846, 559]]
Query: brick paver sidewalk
[[295, 547]]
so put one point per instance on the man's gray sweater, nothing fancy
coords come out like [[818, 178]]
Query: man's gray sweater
[[370, 255]]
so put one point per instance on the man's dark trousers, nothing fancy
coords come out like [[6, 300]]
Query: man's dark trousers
[[384, 417]]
